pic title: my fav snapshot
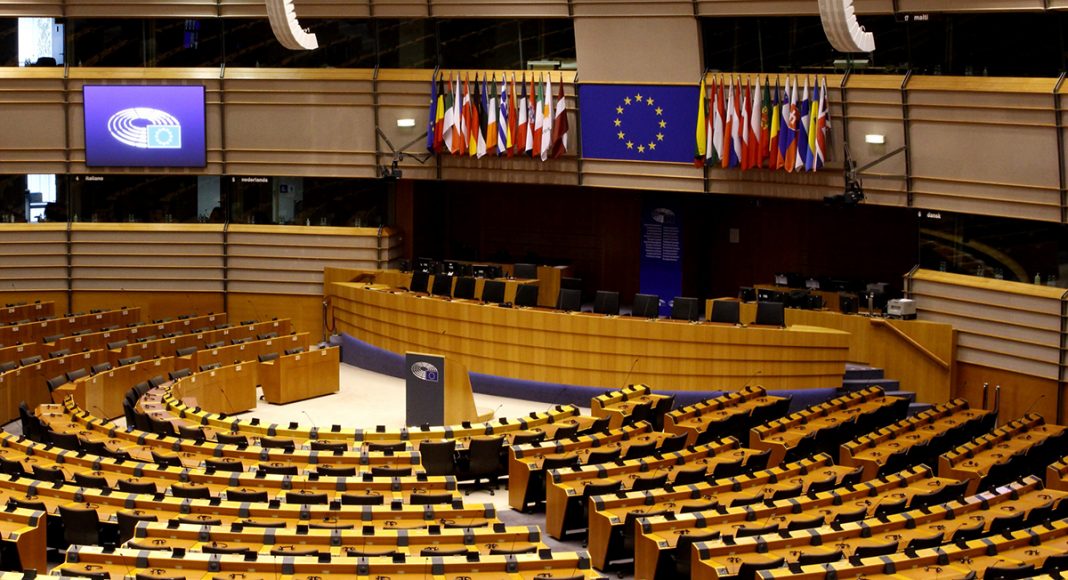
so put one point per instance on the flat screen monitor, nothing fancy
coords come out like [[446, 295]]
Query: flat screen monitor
[[646, 306], [685, 308], [144, 126], [486, 271], [425, 265], [768, 295]]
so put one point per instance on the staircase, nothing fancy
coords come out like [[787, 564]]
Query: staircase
[[858, 377]]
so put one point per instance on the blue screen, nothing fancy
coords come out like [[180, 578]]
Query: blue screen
[[158, 126]]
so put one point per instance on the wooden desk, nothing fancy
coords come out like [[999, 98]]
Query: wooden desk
[[36, 330], [300, 376], [594, 350], [230, 389], [10, 314], [27, 383]]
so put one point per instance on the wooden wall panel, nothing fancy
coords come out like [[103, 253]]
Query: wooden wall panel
[[1020, 393], [33, 103], [306, 312], [33, 258], [500, 8], [655, 48], [1003, 325]]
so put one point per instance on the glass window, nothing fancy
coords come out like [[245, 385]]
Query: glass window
[[316, 201], [134, 198], [991, 247]]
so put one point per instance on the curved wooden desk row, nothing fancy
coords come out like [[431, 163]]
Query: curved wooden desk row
[[612, 513], [168, 346], [874, 450], [125, 562], [99, 339], [931, 526], [16, 312], [526, 472], [140, 445], [586, 349], [28, 383], [35, 455], [976, 459], [338, 543], [35, 331], [660, 534], [713, 417], [1022, 551], [253, 427]]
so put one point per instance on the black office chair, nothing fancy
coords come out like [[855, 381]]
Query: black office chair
[[419, 283], [77, 374], [116, 345], [526, 295], [81, 525], [464, 288], [326, 445], [179, 374], [247, 495], [231, 466], [493, 291], [91, 481], [726, 311], [127, 523], [606, 302], [382, 446], [366, 497], [130, 360], [267, 357], [278, 443], [59, 353], [525, 271], [684, 549], [442, 285], [646, 306], [189, 491], [56, 382], [142, 487], [421, 498], [770, 314], [65, 440], [685, 308], [8, 366], [385, 471], [282, 469], [569, 300], [100, 368], [673, 443], [438, 457], [484, 462], [336, 470], [231, 439]]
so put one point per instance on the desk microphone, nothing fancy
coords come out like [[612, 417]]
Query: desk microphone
[[1039, 398], [314, 426], [497, 409], [627, 377], [751, 377], [226, 398]]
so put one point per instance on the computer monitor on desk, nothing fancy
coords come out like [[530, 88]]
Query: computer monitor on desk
[[646, 306], [726, 311], [425, 265], [525, 271], [685, 308], [493, 291], [442, 285], [770, 314], [486, 271]]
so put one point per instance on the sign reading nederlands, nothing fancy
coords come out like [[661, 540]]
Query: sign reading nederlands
[[424, 389]]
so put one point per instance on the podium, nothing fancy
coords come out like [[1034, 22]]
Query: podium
[[438, 392], [299, 376]]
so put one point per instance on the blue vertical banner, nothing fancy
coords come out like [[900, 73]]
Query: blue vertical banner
[[661, 259]]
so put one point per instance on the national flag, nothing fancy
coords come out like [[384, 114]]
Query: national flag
[[728, 125], [474, 133], [638, 122], [514, 99], [532, 109], [432, 112], [547, 119], [755, 157], [560, 124], [790, 155], [784, 114], [491, 116], [522, 119], [823, 123], [466, 116], [743, 128], [775, 117], [700, 148], [459, 140], [504, 136], [710, 147], [766, 113], [539, 118], [734, 113], [802, 128], [718, 110]]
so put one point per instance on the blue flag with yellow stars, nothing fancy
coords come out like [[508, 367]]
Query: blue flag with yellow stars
[[638, 122]]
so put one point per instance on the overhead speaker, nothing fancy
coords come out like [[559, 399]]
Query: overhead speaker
[[842, 29]]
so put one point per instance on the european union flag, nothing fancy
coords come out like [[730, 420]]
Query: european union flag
[[638, 122]]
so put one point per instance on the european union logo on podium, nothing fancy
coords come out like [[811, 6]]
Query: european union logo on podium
[[638, 122]]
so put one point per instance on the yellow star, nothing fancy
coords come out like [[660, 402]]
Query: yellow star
[[630, 145], [659, 111], [626, 100], [663, 124], [638, 96], [649, 101], [641, 148], [621, 135], [659, 136], [618, 122], [619, 110], [652, 146]]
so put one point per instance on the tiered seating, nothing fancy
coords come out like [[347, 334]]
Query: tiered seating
[[1024, 446], [569, 489], [26, 331], [917, 439], [823, 427], [631, 404], [220, 336], [528, 462], [730, 415], [15, 312], [930, 522], [613, 516], [666, 538]]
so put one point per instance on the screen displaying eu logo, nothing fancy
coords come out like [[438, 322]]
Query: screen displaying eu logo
[[152, 126], [638, 122]]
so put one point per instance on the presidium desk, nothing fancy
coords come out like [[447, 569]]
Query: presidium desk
[[581, 348]]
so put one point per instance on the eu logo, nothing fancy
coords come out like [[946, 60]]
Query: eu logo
[[638, 122]]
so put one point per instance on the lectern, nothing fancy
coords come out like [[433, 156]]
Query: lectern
[[438, 391]]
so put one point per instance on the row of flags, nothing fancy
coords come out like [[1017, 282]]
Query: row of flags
[[740, 125], [494, 118]]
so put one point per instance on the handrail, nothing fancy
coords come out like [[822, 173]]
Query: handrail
[[911, 341]]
